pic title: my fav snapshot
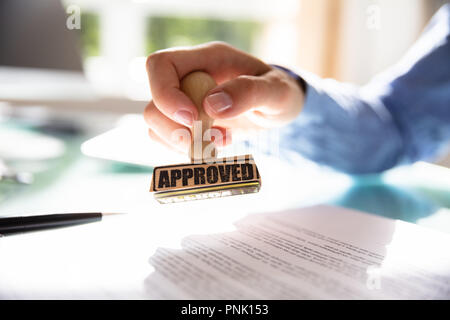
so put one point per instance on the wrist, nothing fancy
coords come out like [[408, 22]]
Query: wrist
[[300, 81], [292, 100]]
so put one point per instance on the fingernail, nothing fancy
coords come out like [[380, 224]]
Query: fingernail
[[219, 101], [185, 117]]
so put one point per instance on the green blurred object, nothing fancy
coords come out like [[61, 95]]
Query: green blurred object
[[121, 167], [389, 201], [166, 32], [90, 34]]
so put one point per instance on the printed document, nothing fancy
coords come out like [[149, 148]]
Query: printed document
[[320, 252]]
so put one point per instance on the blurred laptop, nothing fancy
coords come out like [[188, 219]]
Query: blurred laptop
[[41, 65], [41, 62], [31, 36]]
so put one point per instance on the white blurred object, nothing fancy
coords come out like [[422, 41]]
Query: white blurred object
[[19, 145], [7, 173], [130, 143], [43, 84], [64, 90]]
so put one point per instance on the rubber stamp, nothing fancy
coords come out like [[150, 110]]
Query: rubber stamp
[[206, 176]]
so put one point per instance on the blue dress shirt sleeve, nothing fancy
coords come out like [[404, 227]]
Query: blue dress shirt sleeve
[[400, 117]]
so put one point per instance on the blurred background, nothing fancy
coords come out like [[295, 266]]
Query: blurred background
[[73, 84], [349, 40]]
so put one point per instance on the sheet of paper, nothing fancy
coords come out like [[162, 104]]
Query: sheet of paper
[[316, 252]]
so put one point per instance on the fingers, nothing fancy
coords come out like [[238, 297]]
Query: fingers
[[158, 139], [166, 93], [174, 135], [171, 132], [266, 96], [246, 86], [237, 96], [166, 68]]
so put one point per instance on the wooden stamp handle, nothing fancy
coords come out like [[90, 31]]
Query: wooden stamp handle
[[195, 85]]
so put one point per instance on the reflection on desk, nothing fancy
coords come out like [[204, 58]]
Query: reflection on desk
[[111, 259]]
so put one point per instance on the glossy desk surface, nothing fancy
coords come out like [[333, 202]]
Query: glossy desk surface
[[110, 259]]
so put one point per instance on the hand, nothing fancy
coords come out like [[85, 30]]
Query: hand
[[250, 93]]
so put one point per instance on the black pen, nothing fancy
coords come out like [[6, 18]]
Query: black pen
[[14, 225]]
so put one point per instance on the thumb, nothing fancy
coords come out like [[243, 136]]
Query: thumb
[[234, 97]]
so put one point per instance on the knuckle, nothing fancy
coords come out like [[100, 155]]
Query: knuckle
[[150, 133], [154, 58], [280, 79], [283, 85], [219, 45], [149, 113], [248, 84], [149, 61]]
